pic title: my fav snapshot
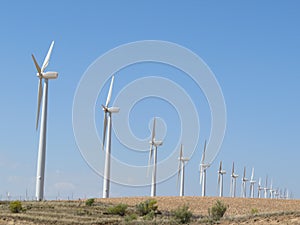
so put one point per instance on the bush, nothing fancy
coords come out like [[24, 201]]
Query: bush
[[218, 210], [146, 207], [182, 214], [119, 209], [149, 216], [254, 211], [89, 202], [130, 217], [15, 207]]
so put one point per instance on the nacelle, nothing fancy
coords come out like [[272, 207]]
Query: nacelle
[[50, 75]]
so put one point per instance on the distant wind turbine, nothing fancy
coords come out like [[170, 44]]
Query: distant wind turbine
[[252, 183], [266, 188], [181, 167], [203, 167], [286, 193], [276, 193], [259, 188], [107, 132], [221, 172], [233, 182], [244, 180], [153, 152], [271, 190], [42, 94]]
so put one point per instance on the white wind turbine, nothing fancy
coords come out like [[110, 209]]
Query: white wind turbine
[[287, 196], [203, 167], [266, 188], [221, 172], [233, 182], [181, 167], [107, 125], [252, 183], [259, 188], [271, 190], [276, 193], [153, 151], [244, 180], [42, 94]]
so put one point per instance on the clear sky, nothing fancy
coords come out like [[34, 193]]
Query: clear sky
[[251, 47]]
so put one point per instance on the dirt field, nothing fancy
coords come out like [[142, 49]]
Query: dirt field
[[240, 211]]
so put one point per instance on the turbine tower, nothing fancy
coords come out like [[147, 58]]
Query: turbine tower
[[203, 167], [266, 188], [42, 94], [252, 183], [276, 193], [244, 180], [153, 151], [259, 188], [107, 125], [221, 172], [271, 190], [181, 167], [233, 182]]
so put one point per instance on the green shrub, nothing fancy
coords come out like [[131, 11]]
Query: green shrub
[[130, 217], [254, 211], [146, 207], [15, 206], [218, 210], [89, 202], [183, 214], [119, 209], [149, 216]]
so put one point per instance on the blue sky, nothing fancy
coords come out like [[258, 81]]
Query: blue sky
[[252, 48]]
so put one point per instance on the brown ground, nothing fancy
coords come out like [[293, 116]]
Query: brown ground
[[200, 205], [74, 212]]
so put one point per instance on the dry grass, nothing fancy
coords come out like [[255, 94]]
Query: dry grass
[[240, 211]]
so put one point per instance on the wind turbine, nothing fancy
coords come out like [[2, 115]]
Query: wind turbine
[[276, 193], [259, 188], [203, 167], [271, 190], [287, 196], [43, 127], [181, 166], [244, 180], [266, 188], [153, 151], [107, 132], [221, 172], [233, 182], [252, 183]]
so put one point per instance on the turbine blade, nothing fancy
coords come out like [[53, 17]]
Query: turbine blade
[[232, 173], [104, 129], [39, 103], [150, 157], [220, 168], [153, 130], [110, 91], [180, 154], [46, 61], [36, 65], [252, 175], [244, 173], [179, 171], [203, 155]]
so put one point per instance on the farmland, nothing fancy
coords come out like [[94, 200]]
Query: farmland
[[240, 211]]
